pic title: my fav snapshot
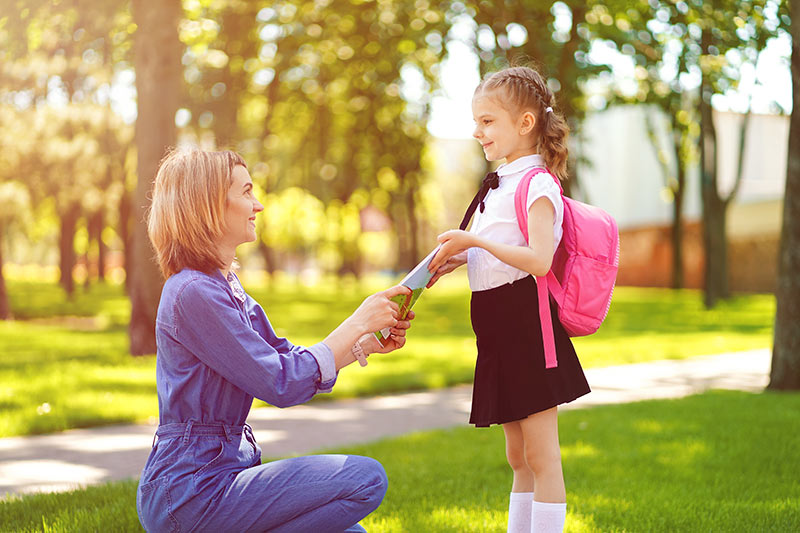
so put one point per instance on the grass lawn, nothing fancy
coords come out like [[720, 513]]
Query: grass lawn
[[66, 364], [720, 461]]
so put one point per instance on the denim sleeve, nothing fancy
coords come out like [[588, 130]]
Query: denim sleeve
[[324, 357], [209, 324]]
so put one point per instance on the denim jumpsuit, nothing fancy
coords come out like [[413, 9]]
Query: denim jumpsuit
[[216, 352]]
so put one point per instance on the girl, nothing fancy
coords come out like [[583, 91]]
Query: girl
[[217, 350], [513, 110]]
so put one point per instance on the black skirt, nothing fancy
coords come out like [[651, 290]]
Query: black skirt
[[511, 381]]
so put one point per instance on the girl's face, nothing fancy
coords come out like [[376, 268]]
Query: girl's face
[[241, 209], [502, 135]]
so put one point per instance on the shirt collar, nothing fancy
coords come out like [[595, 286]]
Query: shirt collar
[[232, 281], [236, 287], [518, 165]]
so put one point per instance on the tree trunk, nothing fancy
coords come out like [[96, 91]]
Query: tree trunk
[[87, 281], [158, 79], [716, 249], [398, 210], [102, 249], [715, 244], [66, 247], [350, 265], [413, 227], [94, 225], [5, 308], [785, 373], [676, 187], [268, 255], [677, 225], [125, 236], [239, 24]]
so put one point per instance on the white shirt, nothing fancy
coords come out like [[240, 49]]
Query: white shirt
[[499, 222]]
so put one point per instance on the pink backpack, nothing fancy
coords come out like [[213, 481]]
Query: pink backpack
[[584, 270]]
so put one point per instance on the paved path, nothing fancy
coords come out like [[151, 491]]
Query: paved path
[[80, 457]]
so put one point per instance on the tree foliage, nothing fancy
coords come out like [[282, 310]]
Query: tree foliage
[[327, 96], [329, 101], [71, 162], [57, 63], [553, 37], [684, 54]]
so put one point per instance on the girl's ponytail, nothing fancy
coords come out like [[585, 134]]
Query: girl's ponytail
[[553, 135]]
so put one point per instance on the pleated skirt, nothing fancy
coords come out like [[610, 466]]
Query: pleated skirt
[[511, 381]]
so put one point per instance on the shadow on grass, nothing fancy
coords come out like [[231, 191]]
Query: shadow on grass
[[36, 299]]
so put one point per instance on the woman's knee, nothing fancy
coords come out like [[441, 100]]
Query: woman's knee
[[373, 476]]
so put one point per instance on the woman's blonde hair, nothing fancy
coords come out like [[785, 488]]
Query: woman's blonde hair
[[187, 213], [527, 90]]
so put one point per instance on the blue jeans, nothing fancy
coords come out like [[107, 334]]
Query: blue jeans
[[212, 482]]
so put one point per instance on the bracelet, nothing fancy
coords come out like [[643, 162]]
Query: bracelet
[[358, 351]]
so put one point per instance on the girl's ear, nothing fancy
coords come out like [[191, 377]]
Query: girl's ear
[[527, 122]]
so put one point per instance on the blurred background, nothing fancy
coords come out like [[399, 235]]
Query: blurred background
[[355, 120]]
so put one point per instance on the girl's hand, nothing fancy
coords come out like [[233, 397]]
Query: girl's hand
[[453, 242], [451, 264], [396, 340], [378, 311]]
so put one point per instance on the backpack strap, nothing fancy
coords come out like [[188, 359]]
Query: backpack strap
[[544, 284]]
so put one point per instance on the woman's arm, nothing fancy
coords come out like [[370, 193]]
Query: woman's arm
[[535, 259], [209, 325]]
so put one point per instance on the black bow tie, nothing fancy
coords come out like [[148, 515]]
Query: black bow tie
[[491, 181]]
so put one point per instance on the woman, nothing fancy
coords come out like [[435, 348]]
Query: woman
[[217, 351]]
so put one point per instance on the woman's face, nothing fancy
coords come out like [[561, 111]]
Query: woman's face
[[241, 209]]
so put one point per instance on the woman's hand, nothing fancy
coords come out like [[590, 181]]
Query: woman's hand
[[396, 340], [378, 311], [451, 264]]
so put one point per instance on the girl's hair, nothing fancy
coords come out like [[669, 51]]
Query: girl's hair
[[524, 89], [186, 216]]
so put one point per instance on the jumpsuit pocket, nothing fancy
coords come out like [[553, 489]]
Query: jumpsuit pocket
[[154, 505], [202, 454]]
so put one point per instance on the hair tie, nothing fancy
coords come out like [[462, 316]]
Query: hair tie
[[548, 109]]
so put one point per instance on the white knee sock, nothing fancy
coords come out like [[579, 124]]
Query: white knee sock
[[548, 517], [519, 512]]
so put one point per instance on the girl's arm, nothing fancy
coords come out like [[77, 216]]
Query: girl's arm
[[535, 259], [451, 264]]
